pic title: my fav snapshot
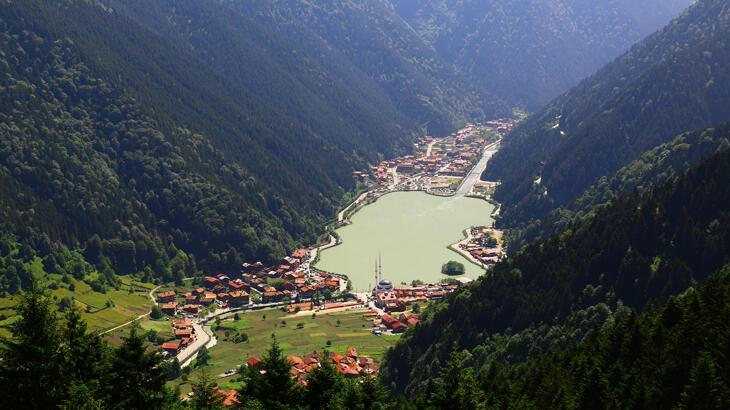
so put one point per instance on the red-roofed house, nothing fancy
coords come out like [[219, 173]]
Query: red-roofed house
[[182, 323], [194, 309], [388, 320], [399, 327], [166, 297], [171, 347], [183, 333], [295, 360], [253, 363], [230, 397], [207, 298], [336, 357], [238, 299], [169, 308], [300, 253], [239, 285], [210, 282]]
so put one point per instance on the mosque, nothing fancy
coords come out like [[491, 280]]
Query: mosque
[[381, 285]]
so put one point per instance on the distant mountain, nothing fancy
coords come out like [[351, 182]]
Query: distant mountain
[[675, 81], [367, 36], [168, 137], [309, 82], [637, 251], [530, 51]]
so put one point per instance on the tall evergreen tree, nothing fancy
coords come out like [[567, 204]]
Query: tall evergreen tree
[[274, 388], [85, 357], [137, 377], [204, 393], [324, 386], [30, 374]]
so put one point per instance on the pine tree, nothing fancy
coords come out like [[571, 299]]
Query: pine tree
[[85, 356], [30, 374], [705, 388], [324, 386], [205, 393], [137, 377], [275, 387]]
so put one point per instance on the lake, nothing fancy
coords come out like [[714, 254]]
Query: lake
[[411, 231]]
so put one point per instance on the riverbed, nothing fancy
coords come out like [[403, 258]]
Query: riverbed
[[411, 231]]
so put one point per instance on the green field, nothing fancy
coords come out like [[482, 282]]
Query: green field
[[163, 327], [353, 330], [131, 301]]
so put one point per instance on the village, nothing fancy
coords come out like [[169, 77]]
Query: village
[[439, 165], [296, 288], [482, 246]]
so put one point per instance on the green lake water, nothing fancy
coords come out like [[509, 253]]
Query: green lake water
[[411, 231]]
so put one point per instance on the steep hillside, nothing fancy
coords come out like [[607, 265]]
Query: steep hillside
[[653, 168], [323, 92], [130, 145], [530, 51], [638, 250], [675, 81], [370, 37], [671, 357]]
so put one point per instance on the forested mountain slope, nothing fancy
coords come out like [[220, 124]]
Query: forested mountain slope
[[376, 42], [130, 144], [675, 81], [313, 86], [530, 51], [670, 357], [653, 168], [639, 250]]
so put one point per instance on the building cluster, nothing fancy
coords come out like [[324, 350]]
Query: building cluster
[[286, 282], [482, 245], [439, 163], [396, 323], [254, 285], [391, 302], [350, 365], [184, 336]]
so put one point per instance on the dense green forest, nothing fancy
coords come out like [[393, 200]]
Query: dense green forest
[[528, 52], [674, 81], [312, 85], [669, 357], [135, 138], [653, 168], [373, 39], [637, 251]]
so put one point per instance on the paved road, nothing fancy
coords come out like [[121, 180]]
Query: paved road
[[429, 148], [313, 252], [341, 215], [140, 317], [476, 172], [202, 339]]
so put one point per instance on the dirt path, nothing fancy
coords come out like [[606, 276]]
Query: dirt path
[[140, 317]]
